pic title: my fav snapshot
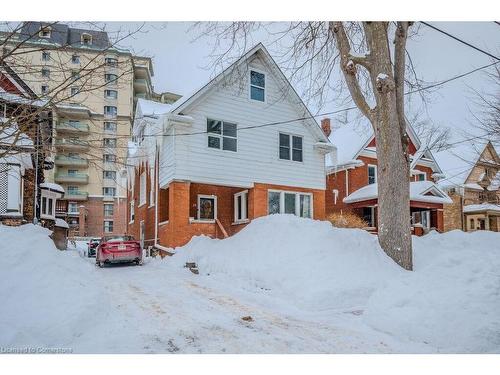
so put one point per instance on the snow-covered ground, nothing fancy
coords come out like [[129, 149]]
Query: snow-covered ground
[[308, 287]]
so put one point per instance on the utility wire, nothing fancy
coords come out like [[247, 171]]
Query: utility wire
[[460, 40]]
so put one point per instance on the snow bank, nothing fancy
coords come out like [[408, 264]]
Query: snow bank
[[309, 262], [451, 301], [46, 295]]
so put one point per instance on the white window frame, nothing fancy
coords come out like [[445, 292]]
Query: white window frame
[[250, 85], [221, 135], [132, 211], [107, 91], [86, 36], [112, 226], [45, 29], [108, 178], [290, 145], [152, 193], [70, 211], [244, 201], [142, 189], [198, 198], [368, 172], [44, 209], [297, 201], [420, 173], [112, 209], [75, 59], [110, 115], [108, 195]]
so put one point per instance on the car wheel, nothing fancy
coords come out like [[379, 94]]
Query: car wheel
[[100, 264]]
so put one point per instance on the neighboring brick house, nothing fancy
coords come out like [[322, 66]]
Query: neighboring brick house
[[352, 179], [24, 126], [474, 185], [213, 161]]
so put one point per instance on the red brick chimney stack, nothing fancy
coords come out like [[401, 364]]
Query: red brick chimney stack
[[325, 125]]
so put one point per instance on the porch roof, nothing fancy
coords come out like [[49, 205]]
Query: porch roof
[[420, 191], [483, 207]]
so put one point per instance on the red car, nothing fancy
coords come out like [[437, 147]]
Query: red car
[[118, 249]]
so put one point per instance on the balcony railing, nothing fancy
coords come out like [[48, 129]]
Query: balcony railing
[[141, 85], [76, 196], [76, 178], [72, 127], [72, 144], [72, 161]]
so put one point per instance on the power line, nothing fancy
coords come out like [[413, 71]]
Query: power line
[[460, 40]]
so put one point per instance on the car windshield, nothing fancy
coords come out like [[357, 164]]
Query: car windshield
[[118, 238]]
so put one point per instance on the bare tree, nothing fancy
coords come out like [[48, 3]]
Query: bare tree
[[372, 59], [488, 118]]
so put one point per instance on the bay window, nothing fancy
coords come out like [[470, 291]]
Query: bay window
[[286, 202]]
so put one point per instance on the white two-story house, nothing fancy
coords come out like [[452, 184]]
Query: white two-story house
[[241, 147]]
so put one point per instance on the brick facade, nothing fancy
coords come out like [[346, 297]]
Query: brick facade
[[178, 206]]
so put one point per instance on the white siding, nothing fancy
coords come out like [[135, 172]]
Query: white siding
[[257, 158]]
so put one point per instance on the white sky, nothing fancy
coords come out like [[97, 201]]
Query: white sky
[[181, 63]]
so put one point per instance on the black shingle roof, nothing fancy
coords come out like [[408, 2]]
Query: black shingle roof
[[64, 35]]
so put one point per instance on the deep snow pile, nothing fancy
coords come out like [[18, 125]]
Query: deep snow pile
[[451, 300], [45, 296], [313, 264]]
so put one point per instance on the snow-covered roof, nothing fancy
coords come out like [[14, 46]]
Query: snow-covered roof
[[151, 108], [349, 140], [52, 186], [19, 99], [482, 207], [61, 223], [420, 191]]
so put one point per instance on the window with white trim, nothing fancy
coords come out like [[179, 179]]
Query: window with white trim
[[111, 62], [45, 32], [45, 73], [86, 39], [109, 158], [111, 94], [75, 59], [372, 174], [241, 206], [109, 191], [222, 135], [207, 207], [108, 209], [110, 78], [142, 189], [110, 126], [110, 111], [152, 192], [108, 226], [132, 214], [286, 202], [45, 56], [257, 86], [109, 142], [420, 176], [109, 175], [290, 147], [73, 208]]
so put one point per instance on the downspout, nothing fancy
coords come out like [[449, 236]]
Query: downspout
[[157, 185], [346, 182]]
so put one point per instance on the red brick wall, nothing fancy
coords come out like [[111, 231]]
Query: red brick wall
[[94, 212]]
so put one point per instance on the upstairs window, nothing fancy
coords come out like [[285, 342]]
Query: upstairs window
[[75, 59], [45, 89], [111, 62], [45, 32], [132, 214], [110, 78], [142, 189], [109, 158], [109, 142], [73, 208], [372, 174], [75, 90], [257, 86], [45, 73], [290, 147], [420, 176], [86, 39], [108, 226], [222, 135], [111, 94], [110, 111], [45, 56], [108, 191], [110, 175], [110, 126], [75, 75], [108, 209]]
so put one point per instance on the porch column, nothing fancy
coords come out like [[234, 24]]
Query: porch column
[[439, 220], [178, 213], [257, 205]]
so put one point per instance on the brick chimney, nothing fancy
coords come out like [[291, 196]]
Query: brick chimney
[[325, 125]]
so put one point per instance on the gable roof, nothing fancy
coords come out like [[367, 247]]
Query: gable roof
[[353, 138], [187, 100]]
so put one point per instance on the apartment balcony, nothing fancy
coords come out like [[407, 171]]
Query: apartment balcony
[[73, 178], [75, 128], [71, 161], [141, 85], [72, 144], [76, 196]]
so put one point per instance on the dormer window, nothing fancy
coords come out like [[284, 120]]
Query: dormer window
[[86, 39], [45, 32], [257, 86]]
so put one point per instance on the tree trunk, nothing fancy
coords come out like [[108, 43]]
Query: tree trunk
[[389, 125]]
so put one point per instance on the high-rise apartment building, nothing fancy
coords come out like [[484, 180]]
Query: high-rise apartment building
[[92, 85]]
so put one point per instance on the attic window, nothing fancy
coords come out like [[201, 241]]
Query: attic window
[[86, 39], [45, 32], [257, 86]]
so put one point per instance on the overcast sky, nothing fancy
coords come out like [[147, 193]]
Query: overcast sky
[[180, 63]]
